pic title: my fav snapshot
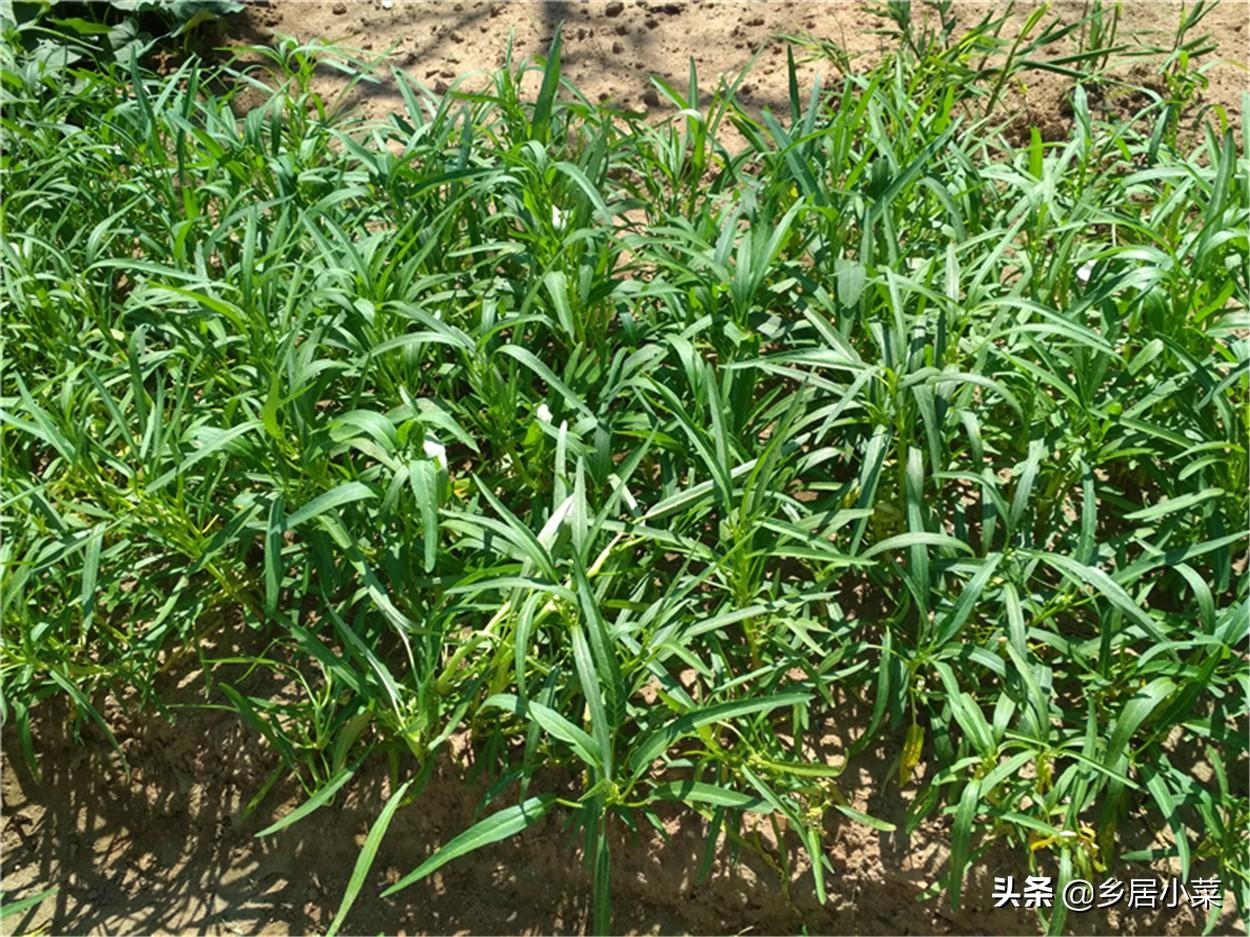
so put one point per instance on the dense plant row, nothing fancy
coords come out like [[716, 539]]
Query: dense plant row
[[632, 454]]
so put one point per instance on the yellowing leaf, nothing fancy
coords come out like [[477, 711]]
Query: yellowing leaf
[[912, 746]]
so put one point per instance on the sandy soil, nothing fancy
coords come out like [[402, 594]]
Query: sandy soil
[[170, 851], [171, 847], [613, 48]]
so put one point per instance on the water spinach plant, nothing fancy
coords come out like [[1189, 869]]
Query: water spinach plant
[[646, 457]]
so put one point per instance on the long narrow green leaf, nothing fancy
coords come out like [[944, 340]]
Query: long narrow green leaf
[[368, 853], [498, 826]]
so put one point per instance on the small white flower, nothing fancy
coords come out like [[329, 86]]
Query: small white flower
[[544, 413], [436, 452]]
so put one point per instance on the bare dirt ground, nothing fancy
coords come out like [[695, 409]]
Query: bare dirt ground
[[171, 846], [611, 49], [166, 843], [171, 849]]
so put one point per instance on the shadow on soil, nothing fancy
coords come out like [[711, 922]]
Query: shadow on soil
[[172, 848]]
